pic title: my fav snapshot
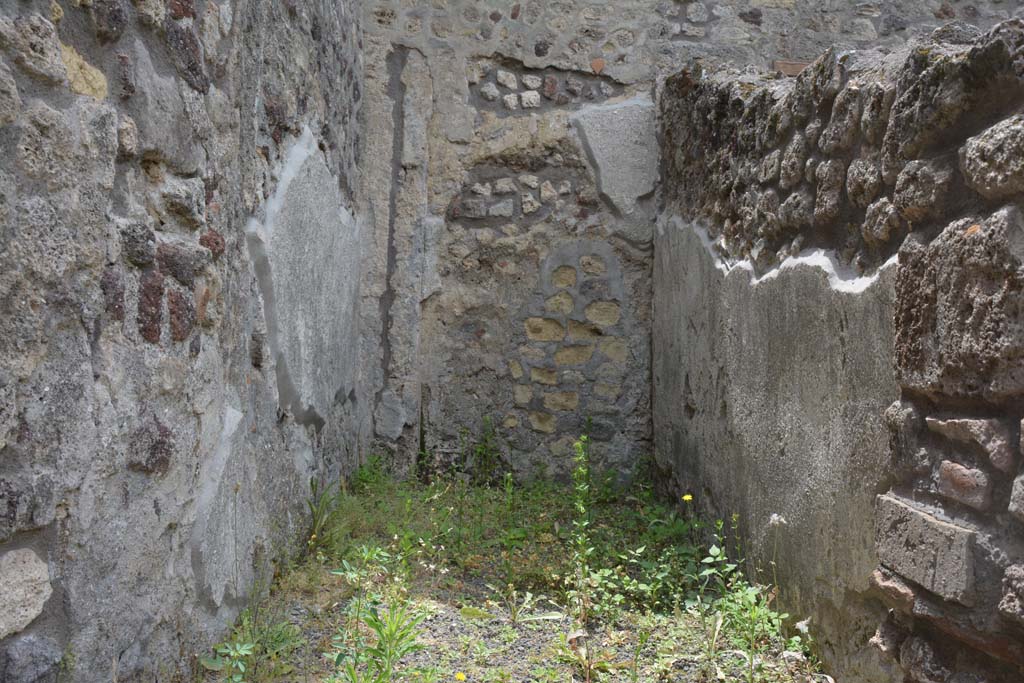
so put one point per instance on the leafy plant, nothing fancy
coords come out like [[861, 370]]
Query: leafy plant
[[231, 660]]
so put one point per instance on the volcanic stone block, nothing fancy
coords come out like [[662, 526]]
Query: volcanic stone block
[[937, 555]]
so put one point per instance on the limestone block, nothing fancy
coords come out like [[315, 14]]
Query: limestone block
[[564, 277], [614, 349], [573, 355], [561, 401], [32, 41], [560, 303], [937, 555], [544, 329], [542, 422], [26, 586], [623, 146], [604, 313], [543, 376]]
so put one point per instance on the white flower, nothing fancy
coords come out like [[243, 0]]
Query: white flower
[[777, 520]]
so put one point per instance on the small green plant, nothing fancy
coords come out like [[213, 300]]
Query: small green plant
[[641, 642], [231, 661]]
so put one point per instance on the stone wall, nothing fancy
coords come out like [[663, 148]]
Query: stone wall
[[179, 269], [507, 140], [831, 243]]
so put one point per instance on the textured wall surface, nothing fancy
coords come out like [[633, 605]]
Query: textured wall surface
[[161, 407], [866, 216], [503, 136]]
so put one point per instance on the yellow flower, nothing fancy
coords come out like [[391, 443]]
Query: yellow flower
[[687, 498], [460, 676]]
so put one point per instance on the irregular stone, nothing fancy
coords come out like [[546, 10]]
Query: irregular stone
[[550, 88], [934, 554], [138, 244], [503, 209], [604, 313], [10, 101], [489, 91], [150, 313], [522, 394], [893, 589], [182, 315], [841, 132], [878, 99], [863, 182], [561, 401], [615, 349], [1016, 507], [112, 285], [593, 265], [31, 658], [472, 207], [923, 189], [1011, 606], [532, 82], [888, 638], [182, 262], [623, 146], [186, 198], [152, 447], [515, 369], [956, 303], [26, 581], [966, 485], [543, 376], [33, 41], [507, 79], [607, 391], [544, 329], [993, 162], [831, 175], [564, 277], [560, 303], [583, 331], [213, 241], [769, 171], [181, 9], [995, 437], [127, 138], [548, 192], [511, 101], [530, 99], [922, 662], [529, 203], [110, 18], [791, 170], [573, 355], [881, 222], [797, 212], [151, 12], [530, 181], [542, 422], [187, 54], [504, 186]]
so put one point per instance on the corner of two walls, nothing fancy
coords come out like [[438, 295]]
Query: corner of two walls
[[169, 384], [843, 240]]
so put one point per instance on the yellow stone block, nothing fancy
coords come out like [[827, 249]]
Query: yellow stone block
[[573, 355], [615, 349], [604, 313], [510, 422], [564, 277], [542, 422], [523, 394], [560, 303], [593, 265], [544, 329], [544, 376], [578, 330], [516, 369], [608, 391], [562, 400], [83, 77]]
